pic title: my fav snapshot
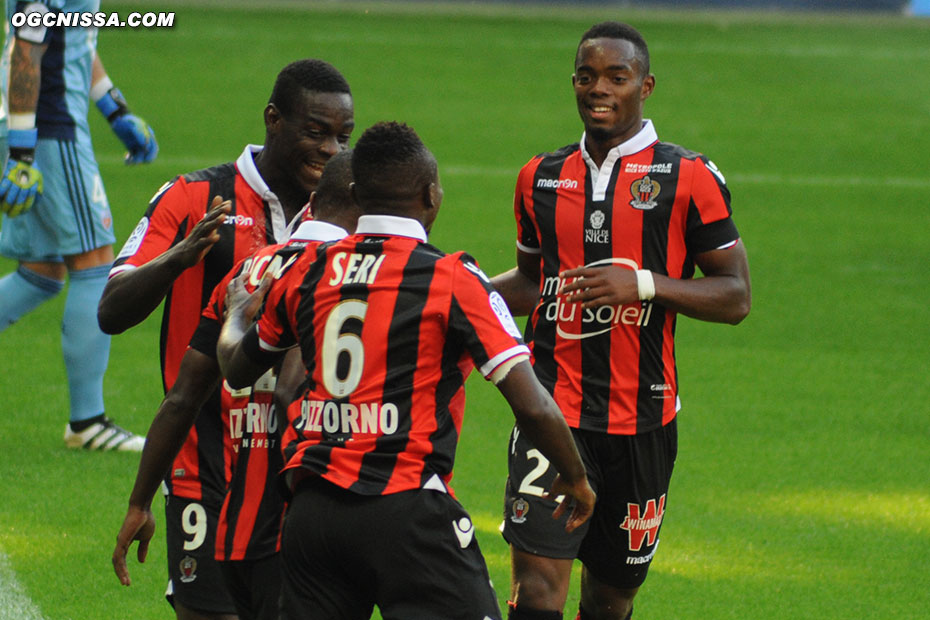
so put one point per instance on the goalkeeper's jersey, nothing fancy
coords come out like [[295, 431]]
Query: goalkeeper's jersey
[[257, 219], [61, 112]]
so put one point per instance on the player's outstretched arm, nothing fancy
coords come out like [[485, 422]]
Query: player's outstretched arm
[[520, 286], [237, 366], [539, 417], [721, 296], [197, 379], [131, 296]]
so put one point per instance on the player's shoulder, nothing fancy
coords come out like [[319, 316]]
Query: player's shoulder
[[466, 262], [181, 188], [560, 153], [428, 249], [213, 173], [444, 262], [672, 151]]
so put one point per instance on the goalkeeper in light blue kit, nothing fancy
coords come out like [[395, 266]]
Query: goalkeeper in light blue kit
[[56, 219]]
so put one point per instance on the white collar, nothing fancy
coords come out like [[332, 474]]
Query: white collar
[[316, 230], [391, 225], [600, 177], [246, 167], [643, 139]]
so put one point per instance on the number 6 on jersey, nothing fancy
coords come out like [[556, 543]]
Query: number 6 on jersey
[[335, 343]]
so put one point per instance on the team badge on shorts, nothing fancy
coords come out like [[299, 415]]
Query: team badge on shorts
[[519, 510], [644, 191], [188, 569]]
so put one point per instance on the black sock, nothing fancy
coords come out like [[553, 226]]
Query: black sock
[[521, 612], [583, 615], [80, 425]]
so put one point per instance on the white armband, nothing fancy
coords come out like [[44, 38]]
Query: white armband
[[645, 284], [501, 372]]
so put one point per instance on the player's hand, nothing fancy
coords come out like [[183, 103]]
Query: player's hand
[[138, 136], [243, 303], [600, 286], [21, 185], [139, 524], [580, 498], [205, 233]]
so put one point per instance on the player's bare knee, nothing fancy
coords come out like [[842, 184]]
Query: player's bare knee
[[539, 590], [603, 602]]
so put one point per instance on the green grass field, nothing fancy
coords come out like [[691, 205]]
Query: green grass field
[[802, 487]]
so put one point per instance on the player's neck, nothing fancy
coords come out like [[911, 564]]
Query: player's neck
[[598, 143], [291, 194]]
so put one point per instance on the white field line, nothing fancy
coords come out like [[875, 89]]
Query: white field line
[[14, 604]]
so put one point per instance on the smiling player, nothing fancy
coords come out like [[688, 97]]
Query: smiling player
[[610, 230], [197, 227]]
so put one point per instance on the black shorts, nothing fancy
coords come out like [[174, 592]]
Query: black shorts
[[194, 577], [255, 586], [413, 554], [630, 474]]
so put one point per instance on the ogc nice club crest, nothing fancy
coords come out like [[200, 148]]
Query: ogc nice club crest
[[644, 191]]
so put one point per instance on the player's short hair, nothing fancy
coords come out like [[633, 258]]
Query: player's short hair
[[624, 32], [308, 74], [390, 162], [332, 193]]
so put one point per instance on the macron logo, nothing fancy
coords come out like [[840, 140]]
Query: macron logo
[[239, 220], [557, 183]]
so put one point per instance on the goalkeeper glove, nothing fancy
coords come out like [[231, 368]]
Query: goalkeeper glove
[[22, 181], [134, 132]]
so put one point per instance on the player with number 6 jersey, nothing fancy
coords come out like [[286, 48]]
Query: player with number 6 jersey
[[389, 328]]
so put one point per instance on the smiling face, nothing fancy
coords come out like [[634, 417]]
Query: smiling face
[[319, 126], [610, 90]]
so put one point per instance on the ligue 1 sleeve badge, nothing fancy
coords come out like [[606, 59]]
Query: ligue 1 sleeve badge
[[644, 191], [519, 510]]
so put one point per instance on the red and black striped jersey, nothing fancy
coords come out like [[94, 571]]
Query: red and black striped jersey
[[250, 519], [389, 328], [257, 219], [651, 205]]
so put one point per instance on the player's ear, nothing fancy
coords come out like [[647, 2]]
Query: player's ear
[[311, 205], [432, 195], [273, 118], [649, 85]]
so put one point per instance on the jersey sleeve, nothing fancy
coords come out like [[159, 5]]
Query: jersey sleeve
[[171, 214], [480, 317], [38, 34], [276, 325], [207, 333], [710, 225], [527, 235]]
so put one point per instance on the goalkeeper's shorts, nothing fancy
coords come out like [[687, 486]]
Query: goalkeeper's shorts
[[71, 216]]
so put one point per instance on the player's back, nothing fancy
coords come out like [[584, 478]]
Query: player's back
[[372, 325]]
